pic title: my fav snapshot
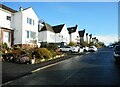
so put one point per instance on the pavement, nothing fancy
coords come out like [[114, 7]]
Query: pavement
[[13, 71]]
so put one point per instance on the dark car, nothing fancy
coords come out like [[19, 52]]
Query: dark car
[[117, 53]]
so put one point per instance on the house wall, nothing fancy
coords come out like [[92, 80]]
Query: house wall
[[47, 36], [17, 28], [65, 35], [6, 29], [42, 36], [29, 13], [50, 37], [74, 36], [3, 18], [58, 38], [21, 27]]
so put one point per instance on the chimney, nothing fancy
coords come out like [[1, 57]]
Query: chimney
[[20, 9], [76, 25]]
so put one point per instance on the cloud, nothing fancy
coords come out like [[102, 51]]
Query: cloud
[[107, 39]]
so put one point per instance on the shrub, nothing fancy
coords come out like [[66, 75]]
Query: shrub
[[42, 53], [84, 43], [91, 44], [72, 44], [4, 46], [17, 52], [59, 53], [53, 53], [4, 50], [44, 45], [36, 53], [8, 56], [52, 46], [45, 53]]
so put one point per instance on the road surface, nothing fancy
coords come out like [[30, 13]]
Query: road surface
[[95, 68]]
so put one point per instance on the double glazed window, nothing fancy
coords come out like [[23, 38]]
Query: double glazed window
[[8, 18], [31, 34], [30, 21], [9, 35]]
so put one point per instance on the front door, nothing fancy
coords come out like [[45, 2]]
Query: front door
[[6, 38]]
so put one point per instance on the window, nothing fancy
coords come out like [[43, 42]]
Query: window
[[33, 22], [27, 20], [8, 36], [31, 34], [27, 34], [30, 21], [9, 18]]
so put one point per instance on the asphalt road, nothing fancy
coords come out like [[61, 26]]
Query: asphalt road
[[96, 68]]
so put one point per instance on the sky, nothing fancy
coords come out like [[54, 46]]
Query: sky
[[97, 18]]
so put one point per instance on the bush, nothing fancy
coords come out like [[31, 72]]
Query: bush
[[42, 53], [53, 53], [36, 53], [84, 44], [8, 56], [4, 46], [44, 45], [52, 46], [59, 53], [72, 44]]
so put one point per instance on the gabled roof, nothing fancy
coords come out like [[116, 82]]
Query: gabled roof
[[72, 29], [81, 33], [7, 8], [58, 28], [26, 8], [47, 27]]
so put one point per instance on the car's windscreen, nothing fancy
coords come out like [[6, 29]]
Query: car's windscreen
[[117, 48]]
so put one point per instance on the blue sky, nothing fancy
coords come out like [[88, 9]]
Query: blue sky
[[98, 18]]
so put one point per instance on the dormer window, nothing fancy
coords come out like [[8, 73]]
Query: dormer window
[[8, 18]]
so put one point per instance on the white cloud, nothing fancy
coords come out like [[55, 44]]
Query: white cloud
[[107, 39]]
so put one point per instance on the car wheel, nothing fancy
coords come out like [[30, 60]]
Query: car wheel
[[78, 50], [70, 51], [85, 50], [115, 60]]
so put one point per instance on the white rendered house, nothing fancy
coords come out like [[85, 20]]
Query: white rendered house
[[26, 27], [6, 25], [18, 27], [61, 34], [55, 34], [46, 34], [74, 35]]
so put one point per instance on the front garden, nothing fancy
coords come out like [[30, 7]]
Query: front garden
[[31, 55]]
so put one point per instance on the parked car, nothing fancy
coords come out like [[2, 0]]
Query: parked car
[[81, 49], [116, 53], [69, 49], [92, 49], [110, 46], [85, 49]]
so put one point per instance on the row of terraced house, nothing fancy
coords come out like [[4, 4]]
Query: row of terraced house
[[24, 28]]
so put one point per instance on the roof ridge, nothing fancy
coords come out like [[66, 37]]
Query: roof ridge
[[7, 8], [26, 8]]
